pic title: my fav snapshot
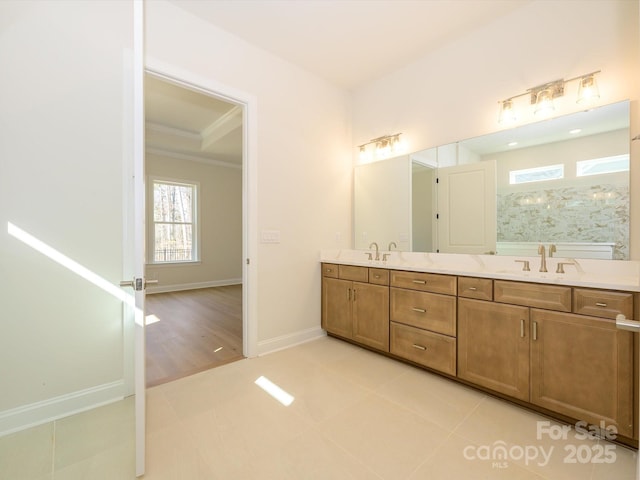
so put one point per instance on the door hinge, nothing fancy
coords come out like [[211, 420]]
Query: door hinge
[[248, 262]]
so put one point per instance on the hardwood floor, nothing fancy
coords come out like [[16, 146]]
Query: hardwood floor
[[195, 330]]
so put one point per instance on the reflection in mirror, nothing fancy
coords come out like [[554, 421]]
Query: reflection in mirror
[[382, 210], [563, 181], [571, 190]]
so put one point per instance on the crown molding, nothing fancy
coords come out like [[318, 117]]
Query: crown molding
[[191, 158], [224, 125], [178, 132]]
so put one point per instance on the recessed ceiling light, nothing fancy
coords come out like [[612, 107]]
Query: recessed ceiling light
[[512, 144], [575, 130]]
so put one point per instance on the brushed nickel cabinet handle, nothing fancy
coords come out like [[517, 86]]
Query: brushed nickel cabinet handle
[[354, 294], [348, 294], [473, 289], [419, 347], [421, 282], [419, 310], [600, 304], [522, 328], [535, 330], [376, 276]]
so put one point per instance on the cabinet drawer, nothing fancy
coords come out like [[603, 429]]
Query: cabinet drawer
[[426, 282], [357, 274], [330, 270], [379, 276], [430, 311], [550, 297], [602, 303], [426, 348], [478, 288]]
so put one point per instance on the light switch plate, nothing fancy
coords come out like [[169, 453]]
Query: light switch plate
[[270, 236]]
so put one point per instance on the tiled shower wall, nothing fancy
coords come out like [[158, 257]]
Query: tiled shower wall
[[597, 213]]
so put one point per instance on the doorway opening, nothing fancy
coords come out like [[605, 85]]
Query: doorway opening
[[194, 225]]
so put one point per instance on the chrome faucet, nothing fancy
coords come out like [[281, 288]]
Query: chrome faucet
[[374, 244], [552, 250], [543, 258], [392, 244]]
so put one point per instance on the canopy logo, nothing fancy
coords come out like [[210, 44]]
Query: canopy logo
[[587, 450]]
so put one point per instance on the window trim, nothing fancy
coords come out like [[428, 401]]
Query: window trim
[[196, 258]]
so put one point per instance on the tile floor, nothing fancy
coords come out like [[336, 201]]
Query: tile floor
[[94, 445], [355, 415]]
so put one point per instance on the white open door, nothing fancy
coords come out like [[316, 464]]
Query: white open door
[[467, 208], [66, 178], [135, 238]]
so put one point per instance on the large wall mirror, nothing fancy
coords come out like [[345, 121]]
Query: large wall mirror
[[563, 181]]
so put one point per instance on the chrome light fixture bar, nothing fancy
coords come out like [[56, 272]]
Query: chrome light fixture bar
[[385, 146], [542, 96]]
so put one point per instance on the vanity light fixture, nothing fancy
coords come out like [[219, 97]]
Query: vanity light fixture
[[384, 147], [544, 102], [588, 89], [507, 114], [542, 96]]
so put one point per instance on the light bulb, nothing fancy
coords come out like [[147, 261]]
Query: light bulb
[[544, 103], [507, 115], [587, 90]]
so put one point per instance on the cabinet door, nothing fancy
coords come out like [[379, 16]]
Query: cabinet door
[[582, 367], [493, 346], [336, 306], [371, 315]]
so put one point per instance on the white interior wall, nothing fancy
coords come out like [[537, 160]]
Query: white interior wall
[[304, 172], [453, 93], [220, 225]]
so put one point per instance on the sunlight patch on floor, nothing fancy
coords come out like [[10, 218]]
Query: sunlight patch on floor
[[275, 391], [151, 319]]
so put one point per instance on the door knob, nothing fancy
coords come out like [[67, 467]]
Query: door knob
[[137, 283]]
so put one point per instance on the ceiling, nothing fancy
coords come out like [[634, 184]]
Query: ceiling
[[350, 42], [189, 125], [347, 42]]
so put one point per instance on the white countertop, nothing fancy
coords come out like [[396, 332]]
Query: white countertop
[[608, 274]]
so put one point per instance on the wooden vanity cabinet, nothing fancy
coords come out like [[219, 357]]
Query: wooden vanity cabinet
[[355, 304], [553, 347], [534, 343], [582, 367]]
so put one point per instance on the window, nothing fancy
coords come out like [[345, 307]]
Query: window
[[597, 166], [173, 230], [538, 174]]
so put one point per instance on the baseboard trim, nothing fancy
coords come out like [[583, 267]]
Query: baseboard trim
[[193, 286], [290, 340], [31, 415]]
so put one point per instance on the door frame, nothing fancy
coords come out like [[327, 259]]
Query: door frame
[[248, 102]]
